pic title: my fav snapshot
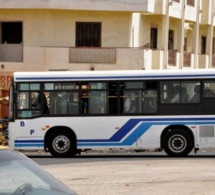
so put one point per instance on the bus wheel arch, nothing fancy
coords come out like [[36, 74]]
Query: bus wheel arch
[[61, 141], [177, 140]]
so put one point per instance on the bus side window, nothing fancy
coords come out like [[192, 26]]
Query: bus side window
[[40, 102], [131, 92], [97, 102], [55, 101], [97, 98], [190, 91], [209, 89], [184, 95], [130, 105], [23, 100], [150, 101], [132, 101], [62, 105], [73, 102], [196, 96], [170, 92]]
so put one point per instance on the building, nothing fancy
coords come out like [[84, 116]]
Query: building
[[41, 35]]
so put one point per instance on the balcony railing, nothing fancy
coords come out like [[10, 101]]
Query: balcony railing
[[187, 60], [92, 55], [11, 53], [172, 57]]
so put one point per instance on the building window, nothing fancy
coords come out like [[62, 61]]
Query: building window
[[185, 44], [203, 44], [154, 35], [171, 40], [11, 32], [88, 34], [191, 2]]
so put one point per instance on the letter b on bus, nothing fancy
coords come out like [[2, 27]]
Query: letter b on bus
[[22, 123]]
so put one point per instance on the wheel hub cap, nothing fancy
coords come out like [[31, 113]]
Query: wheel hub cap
[[177, 143], [61, 143]]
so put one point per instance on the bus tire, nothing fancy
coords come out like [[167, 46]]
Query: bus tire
[[177, 143], [62, 144]]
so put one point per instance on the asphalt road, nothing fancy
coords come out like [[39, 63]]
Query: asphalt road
[[135, 173]]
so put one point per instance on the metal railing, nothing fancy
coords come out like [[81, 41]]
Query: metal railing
[[11, 52], [187, 60], [92, 55], [172, 57]]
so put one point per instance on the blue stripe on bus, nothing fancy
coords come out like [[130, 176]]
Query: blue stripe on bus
[[138, 132], [127, 127], [114, 77], [29, 143], [119, 138]]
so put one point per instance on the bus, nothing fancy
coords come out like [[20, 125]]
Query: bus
[[67, 112]]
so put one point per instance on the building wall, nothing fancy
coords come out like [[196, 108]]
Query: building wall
[[48, 34], [57, 27]]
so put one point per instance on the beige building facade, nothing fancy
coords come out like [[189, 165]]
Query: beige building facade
[[106, 35], [42, 35]]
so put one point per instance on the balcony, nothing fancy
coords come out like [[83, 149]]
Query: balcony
[[11, 53], [76, 58], [187, 59], [92, 55], [172, 54]]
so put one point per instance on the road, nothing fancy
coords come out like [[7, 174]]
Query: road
[[136, 174]]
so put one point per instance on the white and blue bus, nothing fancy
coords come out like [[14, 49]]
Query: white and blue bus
[[66, 112]]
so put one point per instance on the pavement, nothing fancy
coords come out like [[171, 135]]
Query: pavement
[[153, 175], [138, 176]]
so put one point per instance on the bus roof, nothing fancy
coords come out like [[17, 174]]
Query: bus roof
[[113, 75]]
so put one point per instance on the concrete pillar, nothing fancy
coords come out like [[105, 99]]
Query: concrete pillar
[[181, 62], [210, 36], [165, 36], [196, 35]]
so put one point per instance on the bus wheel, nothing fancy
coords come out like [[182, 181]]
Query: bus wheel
[[61, 144], [177, 143]]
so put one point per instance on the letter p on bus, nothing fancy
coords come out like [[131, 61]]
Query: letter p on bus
[[31, 131]]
